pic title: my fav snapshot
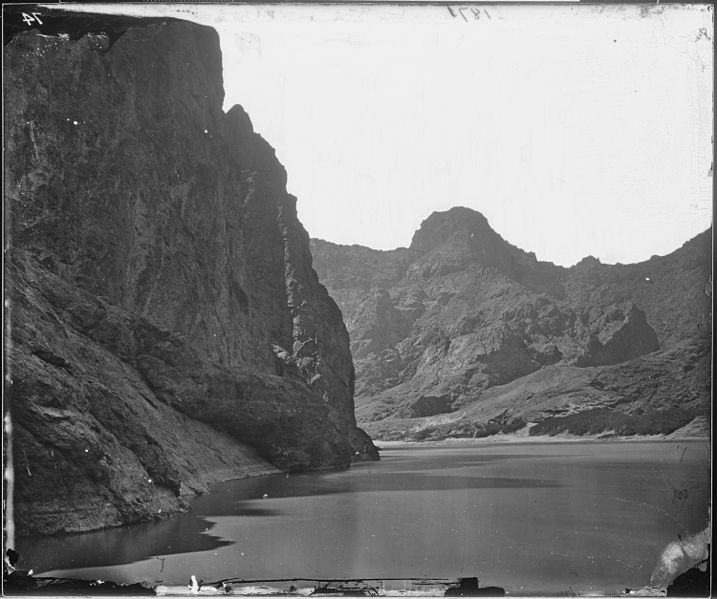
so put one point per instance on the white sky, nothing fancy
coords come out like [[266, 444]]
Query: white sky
[[576, 130]]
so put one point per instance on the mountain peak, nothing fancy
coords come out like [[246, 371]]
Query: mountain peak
[[440, 226]]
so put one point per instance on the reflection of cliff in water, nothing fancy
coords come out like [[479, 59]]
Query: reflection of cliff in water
[[606, 508], [104, 548], [192, 532]]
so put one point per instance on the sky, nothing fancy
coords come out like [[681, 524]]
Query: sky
[[576, 130]]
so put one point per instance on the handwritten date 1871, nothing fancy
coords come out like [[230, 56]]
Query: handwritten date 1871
[[468, 12]]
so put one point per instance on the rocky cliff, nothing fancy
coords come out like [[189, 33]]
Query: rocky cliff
[[463, 334], [167, 327]]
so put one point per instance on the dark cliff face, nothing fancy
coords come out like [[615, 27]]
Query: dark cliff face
[[158, 268], [460, 314]]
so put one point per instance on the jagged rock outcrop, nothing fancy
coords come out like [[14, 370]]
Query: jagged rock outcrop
[[672, 290], [440, 326], [168, 329]]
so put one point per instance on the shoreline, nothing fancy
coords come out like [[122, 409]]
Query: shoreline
[[517, 440]]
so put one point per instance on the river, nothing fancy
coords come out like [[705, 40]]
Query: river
[[558, 518]]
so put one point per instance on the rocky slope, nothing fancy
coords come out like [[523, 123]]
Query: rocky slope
[[463, 334], [167, 328]]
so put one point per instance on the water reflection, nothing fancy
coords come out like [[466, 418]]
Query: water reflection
[[191, 532], [119, 545], [539, 517]]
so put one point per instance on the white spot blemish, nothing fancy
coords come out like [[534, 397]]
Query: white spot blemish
[[206, 131], [647, 278], [87, 451], [75, 123]]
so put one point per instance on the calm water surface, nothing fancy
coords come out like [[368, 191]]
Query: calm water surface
[[531, 517]]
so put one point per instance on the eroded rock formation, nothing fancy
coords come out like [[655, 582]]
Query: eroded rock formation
[[444, 331]]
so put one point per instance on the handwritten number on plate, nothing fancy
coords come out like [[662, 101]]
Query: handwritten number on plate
[[29, 19], [477, 12]]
